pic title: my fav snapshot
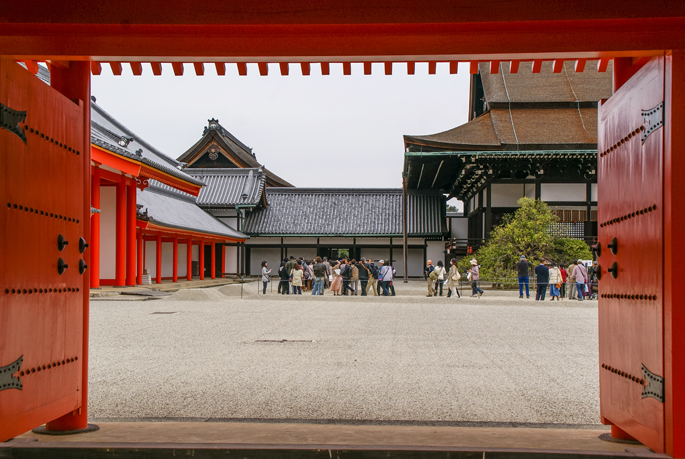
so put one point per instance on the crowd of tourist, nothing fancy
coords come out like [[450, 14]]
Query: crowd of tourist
[[561, 280], [342, 277]]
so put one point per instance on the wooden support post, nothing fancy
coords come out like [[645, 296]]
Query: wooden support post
[[158, 266], [175, 267], [189, 261], [223, 260], [202, 259], [120, 236], [95, 230], [488, 211], [139, 280], [213, 260], [131, 234], [405, 238]]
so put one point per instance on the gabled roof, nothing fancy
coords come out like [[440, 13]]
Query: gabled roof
[[109, 134], [546, 86], [230, 187], [174, 210], [229, 146], [345, 212]]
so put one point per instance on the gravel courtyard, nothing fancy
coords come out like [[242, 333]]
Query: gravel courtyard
[[209, 354]]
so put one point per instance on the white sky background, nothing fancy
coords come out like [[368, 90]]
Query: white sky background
[[314, 131]]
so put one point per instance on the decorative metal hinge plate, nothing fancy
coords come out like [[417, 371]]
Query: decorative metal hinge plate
[[10, 119], [7, 380], [655, 386], [652, 120]]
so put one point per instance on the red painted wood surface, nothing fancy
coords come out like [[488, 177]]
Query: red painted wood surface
[[131, 234], [94, 264], [43, 194], [630, 187], [674, 250]]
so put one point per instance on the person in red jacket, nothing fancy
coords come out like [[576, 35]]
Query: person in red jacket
[[564, 276]]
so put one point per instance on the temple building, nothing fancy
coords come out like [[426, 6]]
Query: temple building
[[530, 133]]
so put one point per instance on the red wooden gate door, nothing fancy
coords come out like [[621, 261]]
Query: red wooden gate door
[[630, 182], [42, 167]]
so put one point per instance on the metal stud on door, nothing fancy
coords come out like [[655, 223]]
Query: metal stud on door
[[42, 167], [630, 187]]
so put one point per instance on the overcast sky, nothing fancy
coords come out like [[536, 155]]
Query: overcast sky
[[315, 131]]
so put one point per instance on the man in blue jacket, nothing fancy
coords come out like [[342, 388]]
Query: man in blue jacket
[[542, 275]]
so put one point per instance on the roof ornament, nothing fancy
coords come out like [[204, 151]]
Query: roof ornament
[[125, 140], [139, 152], [213, 153]]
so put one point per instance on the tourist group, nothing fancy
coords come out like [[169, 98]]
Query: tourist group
[[342, 277], [578, 278]]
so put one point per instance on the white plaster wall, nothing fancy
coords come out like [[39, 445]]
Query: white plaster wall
[[151, 258], [230, 221], [342, 241], [270, 255], [167, 259], [460, 228], [530, 190], [182, 260], [108, 221], [231, 260], [593, 193], [435, 250], [562, 192], [506, 194], [371, 241], [263, 240], [196, 253], [415, 262], [301, 240]]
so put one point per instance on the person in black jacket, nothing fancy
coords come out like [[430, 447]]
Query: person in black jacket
[[284, 284], [542, 275], [346, 271], [364, 272], [523, 267]]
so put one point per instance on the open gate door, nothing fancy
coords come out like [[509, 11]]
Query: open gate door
[[42, 219], [631, 319]]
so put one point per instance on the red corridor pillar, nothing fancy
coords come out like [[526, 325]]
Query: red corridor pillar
[[223, 260], [213, 257], [131, 234], [95, 229], [189, 261], [120, 237], [202, 259], [175, 275], [139, 280], [158, 267]]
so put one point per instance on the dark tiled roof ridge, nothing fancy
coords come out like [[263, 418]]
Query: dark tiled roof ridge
[[130, 133], [222, 170], [298, 190]]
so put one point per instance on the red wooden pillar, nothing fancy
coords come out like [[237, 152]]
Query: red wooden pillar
[[95, 229], [74, 83], [139, 280], [159, 259], [223, 260], [189, 260], [213, 258], [131, 234], [202, 259], [120, 237], [175, 268]]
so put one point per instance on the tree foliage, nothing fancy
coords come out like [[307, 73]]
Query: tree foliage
[[525, 232]]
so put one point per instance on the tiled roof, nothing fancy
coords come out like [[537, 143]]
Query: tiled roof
[[546, 128], [173, 210], [106, 132], [349, 212], [230, 187], [546, 86]]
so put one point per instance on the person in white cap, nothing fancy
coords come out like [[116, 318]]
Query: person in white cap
[[475, 278]]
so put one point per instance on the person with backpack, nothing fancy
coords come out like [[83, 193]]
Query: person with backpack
[[386, 276], [580, 274], [523, 267], [364, 274], [346, 272], [319, 270], [430, 278]]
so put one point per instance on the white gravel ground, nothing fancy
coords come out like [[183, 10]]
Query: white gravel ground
[[494, 359]]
